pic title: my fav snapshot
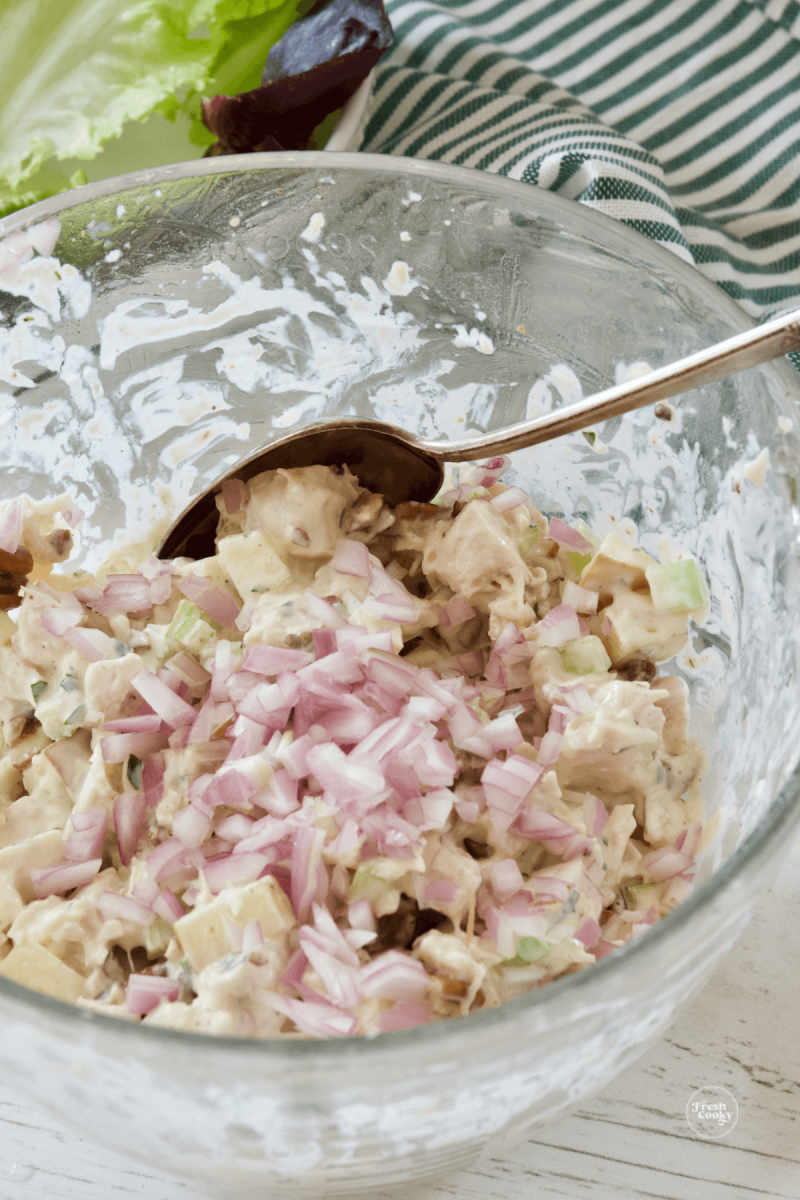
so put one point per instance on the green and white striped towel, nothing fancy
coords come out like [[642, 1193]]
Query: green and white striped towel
[[679, 117]]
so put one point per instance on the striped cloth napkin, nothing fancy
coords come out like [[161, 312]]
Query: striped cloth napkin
[[679, 117]]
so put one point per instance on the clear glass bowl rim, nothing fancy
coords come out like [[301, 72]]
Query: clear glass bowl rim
[[775, 827]]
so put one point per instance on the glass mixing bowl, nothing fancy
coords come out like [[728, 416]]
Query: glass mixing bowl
[[201, 308]]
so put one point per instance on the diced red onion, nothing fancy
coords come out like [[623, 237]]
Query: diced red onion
[[489, 472], [191, 826], [53, 881], [664, 863], [404, 1014], [91, 644], [234, 495], [361, 916], [145, 992], [57, 621], [167, 906], [174, 711], [233, 870], [595, 814], [351, 558], [11, 526], [153, 779], [306, 854], [123, 594], [510, 498], [235, 828], [506, 785], [565, 535], [129, 810], [124, 908], [395, 976], [118, 747], [677, 890], [316, 1018], [440, 891], [581, 599], [88, 835], [263, 659], [688, 840], [213, 601], [146, 723], [558, 627], [190, 671], [455, 611], [323, 612], [468, 810], [506, 878], [557, 836], [339, 979], [252, 938], [324, 642], [550, 889], [550, 748], [588, 932]]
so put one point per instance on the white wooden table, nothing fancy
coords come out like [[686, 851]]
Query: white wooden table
[[632, 1142]]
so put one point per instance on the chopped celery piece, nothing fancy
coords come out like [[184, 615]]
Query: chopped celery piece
[[365, 883], [677, 586], [585, 656], [529, 950], [191, 628], [578, 561], [157, 938], [641, 896], [37, 689], [529, 539]]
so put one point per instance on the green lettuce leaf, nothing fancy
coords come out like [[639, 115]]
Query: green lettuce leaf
[[76, 72]]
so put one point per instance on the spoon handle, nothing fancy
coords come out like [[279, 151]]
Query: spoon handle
[[771, 340]]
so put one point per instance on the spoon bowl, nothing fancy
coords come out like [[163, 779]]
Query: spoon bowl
[[402, 466]]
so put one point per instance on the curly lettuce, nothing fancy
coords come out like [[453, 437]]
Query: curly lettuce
[[76, 73]]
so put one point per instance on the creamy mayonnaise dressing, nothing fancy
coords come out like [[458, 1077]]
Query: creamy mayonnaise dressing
[[526, 799]]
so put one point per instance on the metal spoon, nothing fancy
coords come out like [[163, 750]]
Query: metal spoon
[[404, 467]]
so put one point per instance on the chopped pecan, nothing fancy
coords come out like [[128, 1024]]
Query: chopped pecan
[[637, 669], [399, 930]]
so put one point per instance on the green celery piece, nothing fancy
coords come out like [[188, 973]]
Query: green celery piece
[[585, 656], [37, 689], [529, 950], [677, 586], [76, 71], [529, 539], [578, 561], [640, 896], [191, 628], [157, 938], [365, 883]]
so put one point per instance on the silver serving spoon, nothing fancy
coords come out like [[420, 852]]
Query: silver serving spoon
[[404, 467]]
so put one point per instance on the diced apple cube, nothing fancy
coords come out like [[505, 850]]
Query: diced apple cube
[[35, 967], [203, 935], [615, 562], [252, 563]]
